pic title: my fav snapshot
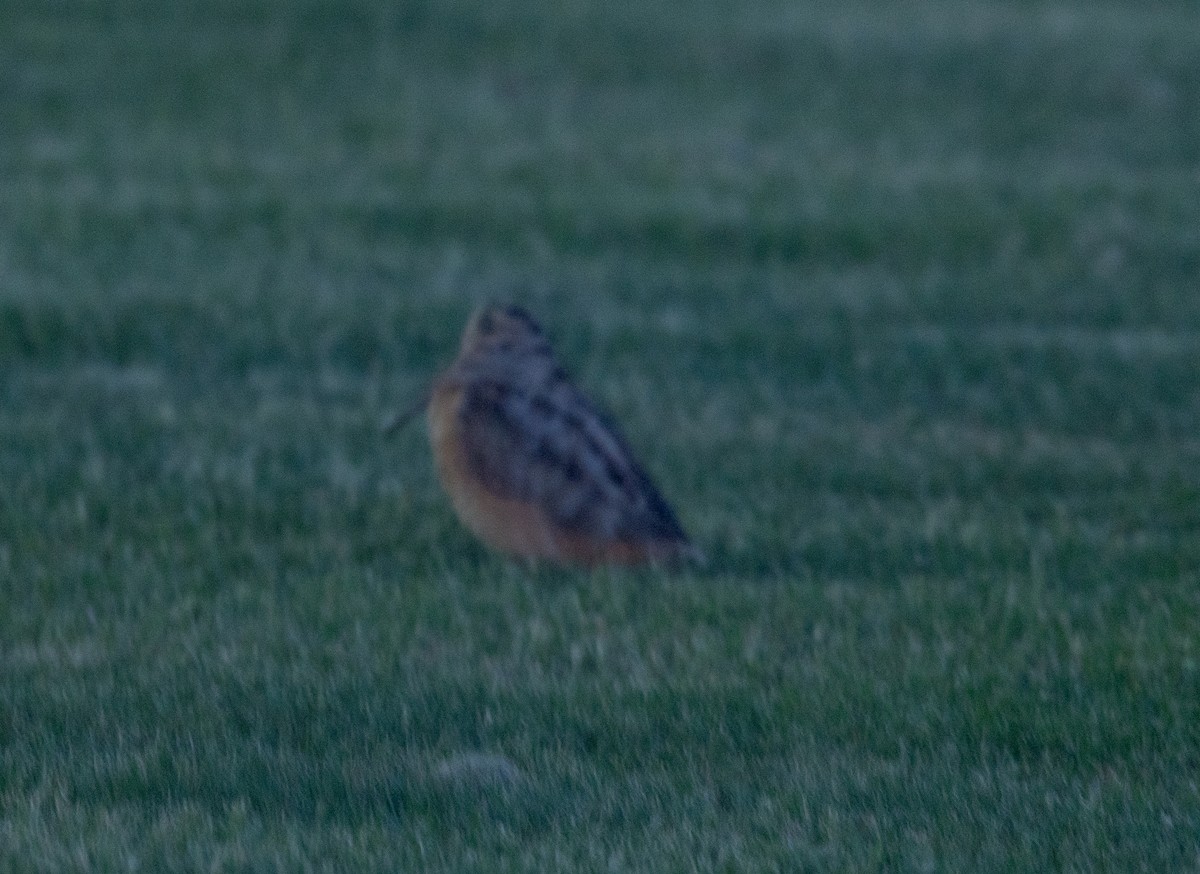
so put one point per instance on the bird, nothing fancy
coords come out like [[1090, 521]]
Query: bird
[[532, 466]]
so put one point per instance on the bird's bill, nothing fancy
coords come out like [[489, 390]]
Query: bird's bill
[[407, 414]]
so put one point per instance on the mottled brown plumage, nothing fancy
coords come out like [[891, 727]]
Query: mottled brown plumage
[[531, 466]]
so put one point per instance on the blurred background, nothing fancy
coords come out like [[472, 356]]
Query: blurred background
[[756, 217], [900, 303]]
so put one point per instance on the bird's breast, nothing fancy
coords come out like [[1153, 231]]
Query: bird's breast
[[503, 523]]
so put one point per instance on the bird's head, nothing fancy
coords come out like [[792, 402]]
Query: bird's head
[[501, 330]]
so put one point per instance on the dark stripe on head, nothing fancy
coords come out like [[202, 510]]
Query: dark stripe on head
[[519, 314]]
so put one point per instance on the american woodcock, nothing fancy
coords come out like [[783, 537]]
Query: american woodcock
[[531, 465]]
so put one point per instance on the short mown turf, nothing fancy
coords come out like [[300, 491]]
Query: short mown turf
[[900, 304]]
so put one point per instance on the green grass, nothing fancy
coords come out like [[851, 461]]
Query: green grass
[[902, 309]]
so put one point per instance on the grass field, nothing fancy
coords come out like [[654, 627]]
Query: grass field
[[899, 303]]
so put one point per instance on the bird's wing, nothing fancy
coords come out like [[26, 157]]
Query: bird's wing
[[552, 447]]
